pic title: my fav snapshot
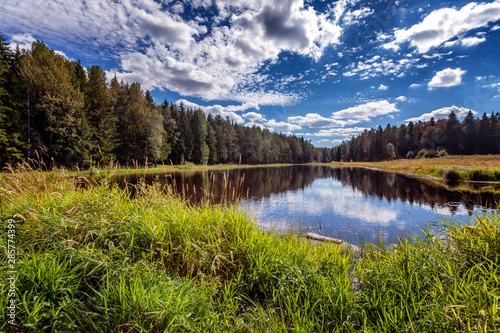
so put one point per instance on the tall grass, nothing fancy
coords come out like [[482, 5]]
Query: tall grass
[[99, 260]]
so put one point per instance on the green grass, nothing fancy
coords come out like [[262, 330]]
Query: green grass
[[94, 259], [150, 168]]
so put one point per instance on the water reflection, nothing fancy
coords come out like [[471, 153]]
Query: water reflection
[[349, 203]]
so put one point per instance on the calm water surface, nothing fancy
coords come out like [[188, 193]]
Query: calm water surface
[[353, 204]]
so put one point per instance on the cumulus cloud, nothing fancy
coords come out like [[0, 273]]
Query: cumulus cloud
[[315, 120], [213, 110], [445, 24], [442, 113], [341, 132], [24, 41], [415, 85], [262, 127], [447, 78], [401, 99], [472, 41], [382, 87], [157, 47], [336, 141], [364, 112], [283, 126], [253, 116]]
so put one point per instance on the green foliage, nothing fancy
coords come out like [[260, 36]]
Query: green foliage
[[426, 139], [94, 259], [391, 151], [12, 140], [454, 175]]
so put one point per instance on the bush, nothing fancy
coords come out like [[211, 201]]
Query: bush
[[432, 153], [454, 175], [496, 175], [479, 174], [442, 152], [410, 155], [421, 153]]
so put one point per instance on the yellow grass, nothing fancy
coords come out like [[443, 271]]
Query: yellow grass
[[413, 165]]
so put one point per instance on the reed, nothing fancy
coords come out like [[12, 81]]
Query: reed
[[94, 258]]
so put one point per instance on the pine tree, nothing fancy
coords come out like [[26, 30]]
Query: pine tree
[[100, 116], [12, 127], [453, 143]]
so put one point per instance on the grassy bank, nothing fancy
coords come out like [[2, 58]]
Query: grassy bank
[[151, 168], [93, 259], [484, 168]]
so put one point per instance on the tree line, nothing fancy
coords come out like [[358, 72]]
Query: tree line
[[54, 109], [425, 139], [69, 115]]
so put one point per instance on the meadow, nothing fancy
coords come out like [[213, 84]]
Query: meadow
[[452, 168], [90, 257]]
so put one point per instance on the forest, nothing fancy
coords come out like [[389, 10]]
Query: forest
[[54, 109], [57, 110], [428, 139]]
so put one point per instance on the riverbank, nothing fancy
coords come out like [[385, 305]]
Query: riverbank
[[448, 170], [151, 168], [95, 259]]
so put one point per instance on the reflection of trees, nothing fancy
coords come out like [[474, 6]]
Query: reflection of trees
[[394, 186], [215, 186]]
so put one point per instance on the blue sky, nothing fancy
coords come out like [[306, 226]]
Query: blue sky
[[324, 70]]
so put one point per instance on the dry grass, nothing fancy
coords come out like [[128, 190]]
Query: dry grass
[[450, 169], [485, 161]]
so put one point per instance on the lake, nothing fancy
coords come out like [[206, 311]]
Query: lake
[[353, 204]]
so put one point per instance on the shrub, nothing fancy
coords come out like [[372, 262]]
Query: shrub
[[454, 175], [479, 174], [432, 153], [496, 175], [442, 152], [421, 153]]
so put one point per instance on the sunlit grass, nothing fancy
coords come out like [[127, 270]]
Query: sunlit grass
[[94, 258], [448, 169]]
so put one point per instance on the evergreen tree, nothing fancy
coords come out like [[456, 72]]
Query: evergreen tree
[[57, 103], [453, 143], [102, 121], [12, 127]]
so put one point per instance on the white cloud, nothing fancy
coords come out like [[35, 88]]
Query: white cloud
[[337, 141], [364, 112], [315, 120], [378, 66], [253, 116], [262, 127], [283, 126], [442, 113], [447, 78], [213, 110], [415, 85], [401, 99], [382, 87], [472, 41], [158, 48], [356, 15], [445, 24], [341, 132], [24, 41]]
